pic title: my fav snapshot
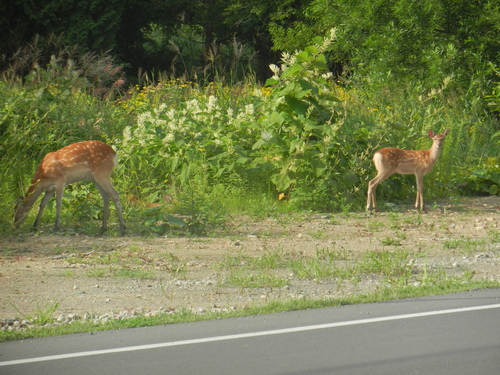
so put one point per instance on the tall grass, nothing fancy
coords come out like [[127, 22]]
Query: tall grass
[[299, 142]]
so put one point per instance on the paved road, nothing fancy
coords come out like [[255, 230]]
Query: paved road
[[453, 334]]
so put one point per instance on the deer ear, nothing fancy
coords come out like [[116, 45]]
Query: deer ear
[[431, 133], [445, 133]]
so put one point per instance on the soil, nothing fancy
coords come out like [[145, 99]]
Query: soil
[[106, 276]]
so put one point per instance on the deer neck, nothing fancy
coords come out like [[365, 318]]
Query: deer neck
[[434, 151], [32, 195]]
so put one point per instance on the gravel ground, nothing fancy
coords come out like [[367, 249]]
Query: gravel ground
[[102, 278]]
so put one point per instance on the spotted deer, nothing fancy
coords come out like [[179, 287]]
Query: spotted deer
[[88, 160], [391, 160]]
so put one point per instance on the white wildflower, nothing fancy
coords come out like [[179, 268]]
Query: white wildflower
[[276, 71], [170, 114], [212, 103], [266, 136], [192, 106], [168, 138], [160, 109], [143, 119], [127, 135], [249, 109], [288, 59], [329, 40]]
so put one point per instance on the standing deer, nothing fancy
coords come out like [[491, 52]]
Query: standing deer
[[88, 160], [391, 160]]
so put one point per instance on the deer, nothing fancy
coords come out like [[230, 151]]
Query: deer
[[82, 161], [389, 161]]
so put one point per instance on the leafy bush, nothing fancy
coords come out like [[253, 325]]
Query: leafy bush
[[485, 179], [287, 136], [302, 141]]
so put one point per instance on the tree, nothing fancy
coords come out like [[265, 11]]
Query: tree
[[251, 21], [93, 25], [427, 39]]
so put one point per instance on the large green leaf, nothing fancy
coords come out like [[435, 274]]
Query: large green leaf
[[298, 106], [292, 70]]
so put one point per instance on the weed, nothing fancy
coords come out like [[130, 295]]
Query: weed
[[388, 241], [312, 268], [318, 234], [42, 314], [439, 278], [414, 220], [394, 220], [133, 274], [375, 225], [257, 280], [395, 266], [176, 266], [127, 273], [332, 255], [269, 260], [170, 257], [97, 272], [179, 271], [466, 246]]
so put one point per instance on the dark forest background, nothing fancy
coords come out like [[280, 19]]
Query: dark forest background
[[424, 40]]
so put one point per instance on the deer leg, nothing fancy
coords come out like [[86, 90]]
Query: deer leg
[[59, 196], [419, 204], [105, 211], [116, 200], [49, 193], [372, 190], [371, 202], [107, 191]]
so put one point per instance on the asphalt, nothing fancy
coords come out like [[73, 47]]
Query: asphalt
[[451, 334]]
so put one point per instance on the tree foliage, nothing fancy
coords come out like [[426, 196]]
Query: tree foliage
[[427, 39]]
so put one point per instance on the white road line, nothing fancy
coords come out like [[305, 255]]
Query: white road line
[[244, 335]]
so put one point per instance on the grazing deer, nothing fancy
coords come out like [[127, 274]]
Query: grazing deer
[[391, 160], [89, 160]]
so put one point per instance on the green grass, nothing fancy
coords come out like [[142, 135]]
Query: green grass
[[121, 273], [43, 314], [267, 261], [389, 241], [466, 246], [253, 280]]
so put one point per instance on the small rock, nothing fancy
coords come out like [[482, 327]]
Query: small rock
[[61, 318]]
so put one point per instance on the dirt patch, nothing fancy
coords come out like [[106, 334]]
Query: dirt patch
[[105, 275]]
